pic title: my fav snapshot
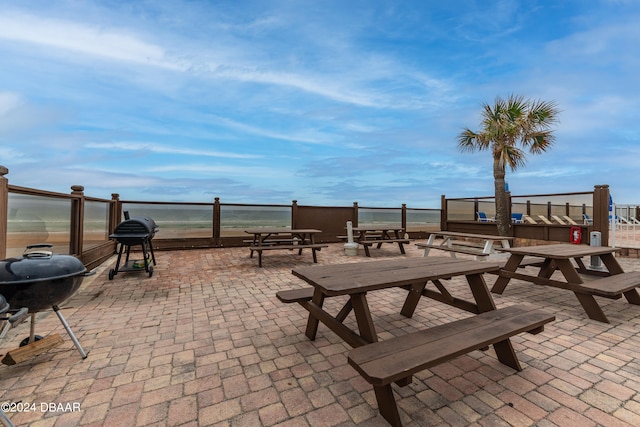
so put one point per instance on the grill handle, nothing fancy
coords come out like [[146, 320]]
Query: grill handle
[[19, 317], [31, 253]]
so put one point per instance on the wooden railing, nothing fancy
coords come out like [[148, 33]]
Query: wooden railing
[[79, 225], [459, 214]]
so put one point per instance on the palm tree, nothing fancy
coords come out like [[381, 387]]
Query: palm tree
[[509, 128]]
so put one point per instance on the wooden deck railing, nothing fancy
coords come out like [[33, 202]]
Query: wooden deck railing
[[79, 225]]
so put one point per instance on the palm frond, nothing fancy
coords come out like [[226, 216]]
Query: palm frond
[[511, 122]]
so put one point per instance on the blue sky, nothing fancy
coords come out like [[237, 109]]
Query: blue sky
[[326, 102]]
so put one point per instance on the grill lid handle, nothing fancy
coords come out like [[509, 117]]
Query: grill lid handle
[[29, 252]]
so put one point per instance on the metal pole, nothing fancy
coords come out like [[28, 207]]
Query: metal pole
[[70, 332]]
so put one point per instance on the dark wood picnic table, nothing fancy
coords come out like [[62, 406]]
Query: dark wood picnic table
[[283, 238], [396, 359], [355, 280], [377, 234], [561, 257]]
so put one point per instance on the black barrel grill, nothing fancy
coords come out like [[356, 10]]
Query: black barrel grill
[[132, 232]]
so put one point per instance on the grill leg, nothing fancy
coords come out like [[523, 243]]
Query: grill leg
[[32, 328], [5, 420], [145, 255], [153, 257], [70, 332], [119, 257]]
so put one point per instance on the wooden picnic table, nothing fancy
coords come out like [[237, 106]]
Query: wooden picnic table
[[281, 238], [355, 280], [377, 234], [559, 257], [455, 242], [395, 360]]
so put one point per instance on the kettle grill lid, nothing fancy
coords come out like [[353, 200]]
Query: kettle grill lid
[[39, 265]]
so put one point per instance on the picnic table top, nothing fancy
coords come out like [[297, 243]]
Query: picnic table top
[[350, 278], [376, 227], [276, 230], [560, 250], [471, 235]]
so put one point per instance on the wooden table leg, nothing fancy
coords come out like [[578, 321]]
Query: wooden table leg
[[363, 317], [611, 263], [366, 249], [587, 301], [632, 296], [511, 265], [591, 307], [506, 354], [547, 269], [413, 297], [387, 405], [349, 336], [481, 293], [568, 271], [312, 322]]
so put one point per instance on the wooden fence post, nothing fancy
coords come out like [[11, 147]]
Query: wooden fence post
[[601, 212], [294, 214], [355, 214], [444, 213], [4, 206], [77, 220], [216, 221], [115, 212]]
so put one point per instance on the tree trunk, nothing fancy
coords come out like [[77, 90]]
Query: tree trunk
[[503, 220]]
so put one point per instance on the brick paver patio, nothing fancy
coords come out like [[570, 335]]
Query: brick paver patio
[[204, 342]]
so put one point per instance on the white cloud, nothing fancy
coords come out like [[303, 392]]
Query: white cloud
[[113, 44], [9, 101], [163, 149]]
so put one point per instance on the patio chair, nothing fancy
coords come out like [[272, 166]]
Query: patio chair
[[482, 217], [557, 219], [569, 220], [528, 219], [545, 219], [587, 219], [516, 218]]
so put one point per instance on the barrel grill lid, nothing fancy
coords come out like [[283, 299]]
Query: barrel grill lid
[[139, 225]]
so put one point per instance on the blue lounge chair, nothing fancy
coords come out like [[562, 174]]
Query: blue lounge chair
[[516, 218], [482, 217]]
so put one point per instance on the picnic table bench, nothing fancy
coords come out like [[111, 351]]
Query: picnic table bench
[[268, 239], [478, 245], [398, 358]]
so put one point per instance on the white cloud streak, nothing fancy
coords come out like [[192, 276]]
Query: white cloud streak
[[163, 149]]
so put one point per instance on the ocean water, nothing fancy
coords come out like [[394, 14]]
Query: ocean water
[[51, 216]]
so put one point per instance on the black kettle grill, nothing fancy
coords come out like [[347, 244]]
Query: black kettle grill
[[39, 281], [135, 232]]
